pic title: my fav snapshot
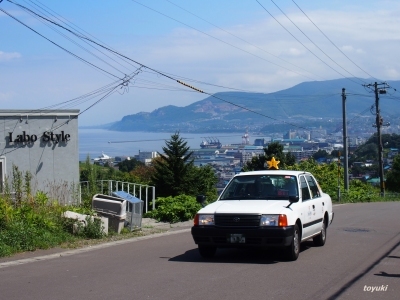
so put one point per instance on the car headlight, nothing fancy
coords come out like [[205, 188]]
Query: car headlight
[[201, 220], [273, 220]]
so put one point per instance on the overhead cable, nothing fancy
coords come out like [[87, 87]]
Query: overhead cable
[[309, 50], [213, 37], [332, 42]]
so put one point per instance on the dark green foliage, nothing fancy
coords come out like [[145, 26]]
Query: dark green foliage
[[174, 209], [201, 181], [320, 154], [327, 176], [175, 173], [274, 149], [129, 165], [360, 192], [369, 150], [393, 176], [171, 170], [34, 224], [29, 222], [389, 140], [92, 230], [91, 175]]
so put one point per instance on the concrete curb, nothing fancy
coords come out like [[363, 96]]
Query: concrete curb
[[150, 227], [86, 249]]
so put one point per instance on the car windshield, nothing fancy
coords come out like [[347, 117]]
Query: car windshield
[[248, 187]]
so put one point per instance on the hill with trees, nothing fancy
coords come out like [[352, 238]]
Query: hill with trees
[[316, 103]]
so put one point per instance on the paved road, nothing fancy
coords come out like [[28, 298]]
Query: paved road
[[362, 254]]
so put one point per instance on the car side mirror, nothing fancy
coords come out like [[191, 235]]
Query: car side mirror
[[293, 199], [201, 199]]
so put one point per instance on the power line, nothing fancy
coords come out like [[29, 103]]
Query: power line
[[316, 56], [50, 12], [59, 46], [167, 76], [332, 41], [311, 40], [243, 40], [107, 94], [78, 45], [238, 48]]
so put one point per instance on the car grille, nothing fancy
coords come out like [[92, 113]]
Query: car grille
[[234, 220]]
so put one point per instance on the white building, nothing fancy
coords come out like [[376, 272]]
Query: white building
[[146, 157], [43, 143]]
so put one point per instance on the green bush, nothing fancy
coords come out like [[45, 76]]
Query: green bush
[[92, 230], [30, 223], [174, 209], [327, 176]]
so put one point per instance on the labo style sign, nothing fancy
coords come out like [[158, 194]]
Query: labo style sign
[[46, 137]]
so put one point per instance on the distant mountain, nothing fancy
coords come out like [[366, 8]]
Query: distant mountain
[[308, 103]]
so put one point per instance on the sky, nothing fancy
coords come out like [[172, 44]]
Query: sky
[[115, 58]]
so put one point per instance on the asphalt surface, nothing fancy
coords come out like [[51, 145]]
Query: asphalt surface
[[361, 260], [150, 227]]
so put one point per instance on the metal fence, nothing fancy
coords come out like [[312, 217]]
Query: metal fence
[[144, 192]]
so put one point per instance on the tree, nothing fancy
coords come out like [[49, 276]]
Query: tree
[[393, 176], [129, 165], [337, 153], [202, 181], [144, 173], [274, 149], [320, 154], [173, 167]]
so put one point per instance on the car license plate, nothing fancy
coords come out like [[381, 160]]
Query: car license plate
[[235, 238]]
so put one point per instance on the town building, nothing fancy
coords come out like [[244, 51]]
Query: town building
[[44, 144], [146, 157]]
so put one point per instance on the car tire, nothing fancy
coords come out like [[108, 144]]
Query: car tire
[[293, 250], [320, 239], [207, 251]]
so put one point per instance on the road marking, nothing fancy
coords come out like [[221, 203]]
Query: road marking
[[87, 249]]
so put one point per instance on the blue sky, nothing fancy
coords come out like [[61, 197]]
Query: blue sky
[[213, 45]]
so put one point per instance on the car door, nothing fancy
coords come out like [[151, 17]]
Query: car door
[[312, 208], [315, 205], [306, 209], [317, 200]]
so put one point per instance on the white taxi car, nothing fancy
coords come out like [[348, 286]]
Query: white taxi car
[[272, 208]]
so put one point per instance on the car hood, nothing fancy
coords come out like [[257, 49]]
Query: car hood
[[246, 207]]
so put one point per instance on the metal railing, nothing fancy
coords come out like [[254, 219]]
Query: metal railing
[[107, 187]]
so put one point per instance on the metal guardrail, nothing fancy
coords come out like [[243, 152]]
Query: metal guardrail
[[107, 187]]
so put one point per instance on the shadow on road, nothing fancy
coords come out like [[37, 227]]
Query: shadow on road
[[384, 274], [351, 282], [241, 256]]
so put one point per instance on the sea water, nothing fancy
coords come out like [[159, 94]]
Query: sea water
[[92, 142]]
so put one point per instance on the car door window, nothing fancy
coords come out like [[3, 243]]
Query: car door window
[[313, 187], [305, 192]]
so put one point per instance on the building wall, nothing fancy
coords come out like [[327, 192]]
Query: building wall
[[44, 143], [146, 157]]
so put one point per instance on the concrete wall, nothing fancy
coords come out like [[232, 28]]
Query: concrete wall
[[45, 143]]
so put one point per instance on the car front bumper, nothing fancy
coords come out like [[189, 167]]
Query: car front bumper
[[243, 237]]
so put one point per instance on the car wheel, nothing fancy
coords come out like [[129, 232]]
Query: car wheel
[[293, 250], [207, 251], [320, 239]]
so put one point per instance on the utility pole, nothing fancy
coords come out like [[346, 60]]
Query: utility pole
[[338, 177], [345, 141], [379, 124]]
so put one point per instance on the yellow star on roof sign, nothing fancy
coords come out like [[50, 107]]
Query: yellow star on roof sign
[[273, 164]]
